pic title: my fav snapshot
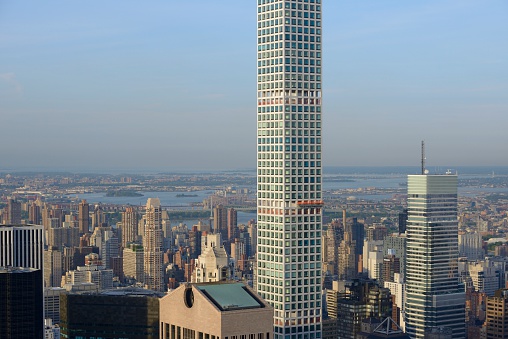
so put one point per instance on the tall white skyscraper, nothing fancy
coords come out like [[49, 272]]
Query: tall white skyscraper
[[434, 298], [152, 242], [289, 164]]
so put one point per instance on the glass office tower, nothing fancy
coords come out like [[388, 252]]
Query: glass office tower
[[434, 297]]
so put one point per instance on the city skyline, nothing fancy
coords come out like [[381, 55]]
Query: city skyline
[[87, 81]]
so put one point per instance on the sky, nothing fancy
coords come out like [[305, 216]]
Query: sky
[[168, 84]]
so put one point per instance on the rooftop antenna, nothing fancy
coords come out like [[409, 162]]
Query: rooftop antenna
[[423, 157]]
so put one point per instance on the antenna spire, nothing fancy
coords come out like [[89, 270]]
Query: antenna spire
[[423, 157]]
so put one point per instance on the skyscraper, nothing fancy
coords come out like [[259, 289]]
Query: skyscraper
[[83, 216], [13, 212], [289, 164], [220, 221], [152, 242], [232, 224], [434, 298], [22, 311], [21, 246], [129, 226]]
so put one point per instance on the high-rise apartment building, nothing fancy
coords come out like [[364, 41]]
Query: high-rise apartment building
[[396, 244], [152, 242], [129, 226], [52, 267], [34, 213], [233, 232], [496, 322], [220, 221], [84, 217], [13, 212], [289, 164], [133, 261], [434, 297]]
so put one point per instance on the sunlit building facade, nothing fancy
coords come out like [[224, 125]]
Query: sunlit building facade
[[434, 298], [289, 164], [152, 243]]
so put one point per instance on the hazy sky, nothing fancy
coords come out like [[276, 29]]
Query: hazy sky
[[172, 84]]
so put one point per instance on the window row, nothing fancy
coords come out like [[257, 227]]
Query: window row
[[289, 52], [287, 116]]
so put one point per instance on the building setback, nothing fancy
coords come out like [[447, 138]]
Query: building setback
[[289, 167]]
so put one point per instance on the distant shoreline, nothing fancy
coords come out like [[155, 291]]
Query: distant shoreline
[[123, 194]]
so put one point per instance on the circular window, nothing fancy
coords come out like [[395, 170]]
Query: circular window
[[188, 297]]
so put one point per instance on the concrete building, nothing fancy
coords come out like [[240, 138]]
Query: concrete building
[[375, 263], [52, 267], [471, 246], [397, 289], [289, 201], [21, 312], [215, 311], [434, 297], [61, 236], [133, 262], [496, 322], [213, 263], [99, 275], [52, 303], [484, 277], [373, 253], [396, 244], [51, 331], [105, 239], [98, 217]]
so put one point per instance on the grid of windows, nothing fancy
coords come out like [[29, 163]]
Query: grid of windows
[[433, 295], [289, 164]]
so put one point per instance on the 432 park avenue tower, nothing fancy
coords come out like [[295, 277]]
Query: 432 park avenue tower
[[289, 202]]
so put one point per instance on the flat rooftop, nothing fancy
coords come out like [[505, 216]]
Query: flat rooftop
[[230, 296]]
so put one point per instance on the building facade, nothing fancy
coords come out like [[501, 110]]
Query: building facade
[[21, 310], [129, 226], [496, 322], [21, 246], [289, 164], [434, 298], [84, 217], [122, 313], [152, 242], [133, 262], [471, 246], [215, 311]]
